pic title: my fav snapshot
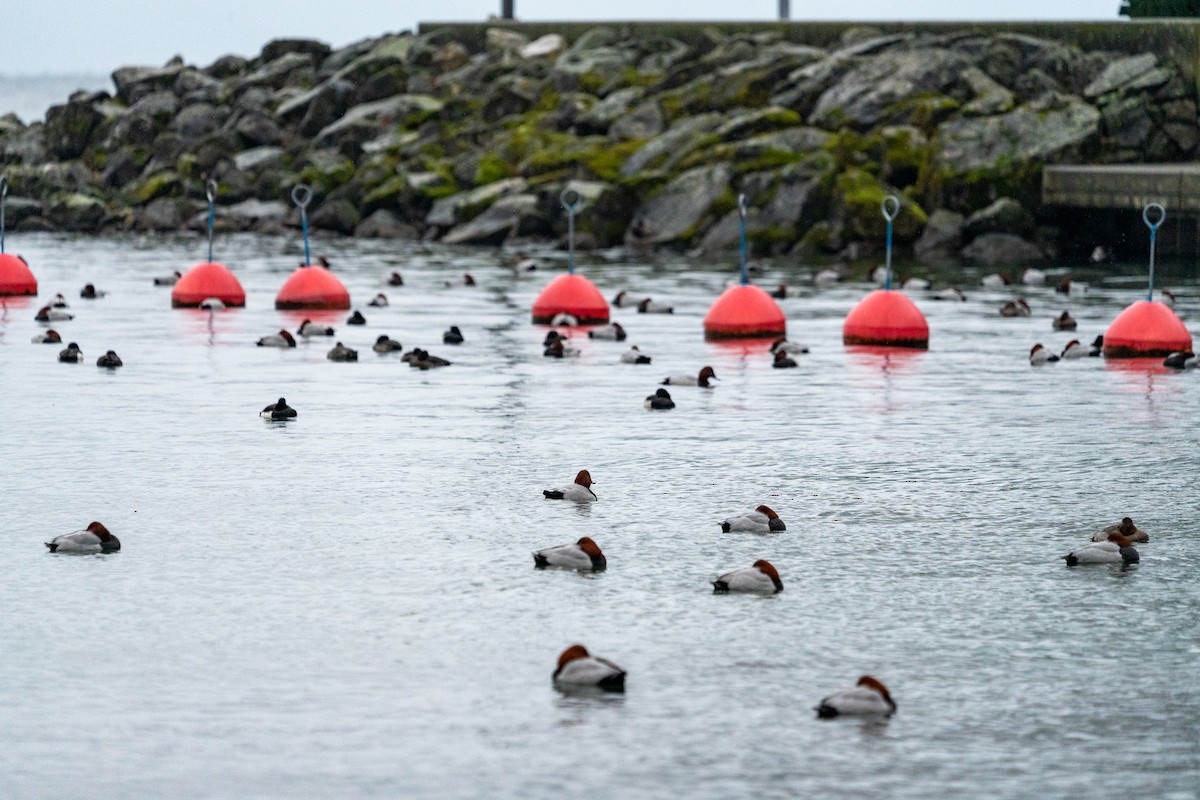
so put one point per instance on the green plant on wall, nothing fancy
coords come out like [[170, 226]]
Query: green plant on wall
[[1160, 8]]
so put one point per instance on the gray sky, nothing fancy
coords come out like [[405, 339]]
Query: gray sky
[[69, 36]]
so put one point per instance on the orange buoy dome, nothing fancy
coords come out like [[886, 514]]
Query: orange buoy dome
[[15, 277], [206, 280], [574, 295], [744, 311], [312, 287], [886, 317], [1146, 329]]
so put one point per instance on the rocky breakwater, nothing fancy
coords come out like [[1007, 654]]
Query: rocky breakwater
[[470, 140]]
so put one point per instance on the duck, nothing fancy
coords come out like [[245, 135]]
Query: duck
[[997, 280], [1040, 355], [782, 345], [168, 280], [379, 301], [465, 280], [578, 492], [1126, 528], [279, 410], [90, 292], [761, 578], [1016, 308], [701, 380], [828, 277], [952, 294], [395, 279], [49, 314], [51, 336], [1167, 298], [72, 355], [579, 668], [783, 360], [1064, 322], [422, 360], [58, 301], [868, 698], [762, 519], [878, 275], [559, 349], [109, 360], [281, 339], [1116, 550], [526, 264], [95, 538], [659, 401], [563, 318], [624, 299], [914, 284], [386, 345], [1183, 359], [583, 555], [1068, 286], [324, 262], [356, 319], [783, 291], [1075, 349], [1096, 348], [309, 328], [648, 306], [611, 332], [340, 352], [452, 335], [1033, 277], [552, 337], [634, 356]]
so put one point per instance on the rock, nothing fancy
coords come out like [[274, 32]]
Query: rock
[[508, 216], [1002, 250], [227, 67], [859, 196], [1006, 215], [776, 224], [134, 83], [863, 96], [546, 46], [450, 57], [759, 121], [671, 146], [27, 146], [122, 168], [1047, 129], [643, 122], [258, 129], [449, 211], [329, 105], [508, 97], [503, 45], [370, 117], [1183, 135], [605, 210], [940, 241], [277, 73], [160, 106], [245, 215], [604, 113], [68, 128], [196, 122], [383, 224], [257, 157], [1127, 121], [336, 215], [315, 50], [1122, 72], [1035, 83], [162, 214], [19, 209], [77, 212], [196, 87], [989, 97], [383, 83], [675, 214]]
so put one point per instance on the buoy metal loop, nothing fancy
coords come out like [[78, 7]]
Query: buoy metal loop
[[745, 277], [210, 191], [3, 197], [1153, 226], [302, 196], [890, 207], [570, 201]]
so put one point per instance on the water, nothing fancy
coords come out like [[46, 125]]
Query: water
[[29, 96], [345, 605]]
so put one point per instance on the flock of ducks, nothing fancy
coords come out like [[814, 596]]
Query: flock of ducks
[[56, 311]]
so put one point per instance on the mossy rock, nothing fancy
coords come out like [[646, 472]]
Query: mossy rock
[[860, 196], [162, 184]]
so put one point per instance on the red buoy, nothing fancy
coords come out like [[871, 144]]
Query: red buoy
[[574, 295], [887, 318], [742, 312], [15, 277], [312, 287], [1146, 329], [206, 280]]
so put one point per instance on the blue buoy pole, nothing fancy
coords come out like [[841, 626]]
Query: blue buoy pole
[[3, 198], [1153, 226], [210, 189], [570, 201], [890, 208], [302, 196], [742, 224]]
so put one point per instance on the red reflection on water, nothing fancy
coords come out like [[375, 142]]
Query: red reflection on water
[[891, 360], [1137, 366], [202, 325], [743, 347], [327, 316]]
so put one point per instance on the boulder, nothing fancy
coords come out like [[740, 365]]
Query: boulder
[[546, 46], [1127, 121], [383, 224], [134, 83], [1124, 73], [77, 212], [159, 106], [257, 157], [670, 147], [503, 45], [450, 211], [1006, 215], [989, 97], [122, 167], [196, 122], [774, 225], [19, 209], [643, 122], [227, 67], [604, 211], [277, 73], [604, 113], [675, 214], [336, 215], [863, 96], [68, 129], [1049, 128], [515, 215], [370, 117], [315, 50], [1002, 250], [259, 129], [163, 214], [941, 240]]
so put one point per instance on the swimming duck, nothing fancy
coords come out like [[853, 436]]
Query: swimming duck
[[385, 345], [648, 306], [58, 301], [452, 335], [379, 301], [342, 353], [1166, 297], [526, 264], [700, 380], [89, 292], [783, 291], [563, 318], [1117, 550], [761, 520], [914, 284], [579, 492], [281, 339], [72, 355], [868, 698], [828, 277], [49, 337], [624, 299], [109, 360], [309, 328], [578, 667], [878, 275], [1184, 359], [1016, 308], [280, 410], [324, 262], [659, 401], [782, 345], [93, 539], [1075, 349], [1126, 528], [465, 280], [395, 279], [634, 356], [421, 359], [1040, 355], [783, 360], [48, 314], [953, 295], [1096, 348], [1064, 322], [612, 332], [996, 280], [356, 319], [761, 578], [559, 349], [1033, 277], [168, 280], [582, 555], [1068, 286], [552, 337]]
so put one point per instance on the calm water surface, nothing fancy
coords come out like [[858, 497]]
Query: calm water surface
[[345, 605]]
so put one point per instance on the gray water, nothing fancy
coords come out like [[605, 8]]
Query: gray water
[[345, 606]]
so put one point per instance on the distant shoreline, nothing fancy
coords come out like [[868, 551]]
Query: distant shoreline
[[29, 96]]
